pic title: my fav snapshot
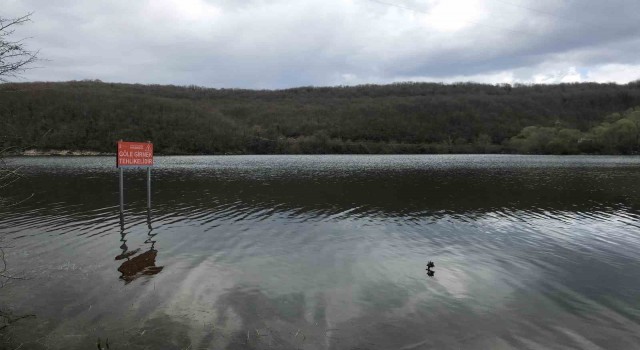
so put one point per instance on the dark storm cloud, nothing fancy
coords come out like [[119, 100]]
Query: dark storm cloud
[[274, 44]]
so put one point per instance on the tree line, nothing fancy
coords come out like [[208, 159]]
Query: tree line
[[619, 133], [394, 118]]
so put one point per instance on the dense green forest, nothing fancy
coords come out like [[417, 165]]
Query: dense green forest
[[395, 118]]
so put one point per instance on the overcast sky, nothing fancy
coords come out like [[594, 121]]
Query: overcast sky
[[286, 43]]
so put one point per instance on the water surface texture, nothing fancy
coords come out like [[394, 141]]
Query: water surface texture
[[326, 252]]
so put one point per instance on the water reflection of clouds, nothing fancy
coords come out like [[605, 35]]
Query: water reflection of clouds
[[468, 281], [523, 260]]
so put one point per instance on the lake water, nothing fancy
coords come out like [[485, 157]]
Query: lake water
[[325, 252]]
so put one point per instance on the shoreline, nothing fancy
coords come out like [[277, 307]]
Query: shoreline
[[57, 152], [85, 153]]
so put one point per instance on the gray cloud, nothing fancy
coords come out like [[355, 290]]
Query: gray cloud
[[277, 43]]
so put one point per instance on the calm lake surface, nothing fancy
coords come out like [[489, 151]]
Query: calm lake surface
[[326, 252]]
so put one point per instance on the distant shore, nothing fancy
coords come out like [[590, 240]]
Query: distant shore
[[402, 118], [60, 152], [86, 153]]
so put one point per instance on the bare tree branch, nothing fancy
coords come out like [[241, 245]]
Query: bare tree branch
[[15, 57]]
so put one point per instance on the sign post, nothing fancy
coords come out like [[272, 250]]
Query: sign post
[[134, 155], [121, 191], [149, 188]]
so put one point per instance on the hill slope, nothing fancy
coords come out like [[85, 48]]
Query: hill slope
[[396, 118]]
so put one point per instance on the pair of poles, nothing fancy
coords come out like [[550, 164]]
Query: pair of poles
[[122, 190]]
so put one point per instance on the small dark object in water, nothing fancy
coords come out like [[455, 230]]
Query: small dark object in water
[[430, 265]]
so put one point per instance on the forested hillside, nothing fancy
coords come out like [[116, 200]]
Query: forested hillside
[[396, 118]]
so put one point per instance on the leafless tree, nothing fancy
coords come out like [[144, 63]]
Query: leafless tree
[[15, 58]]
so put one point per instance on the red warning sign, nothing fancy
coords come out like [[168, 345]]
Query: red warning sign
[[132, 154]]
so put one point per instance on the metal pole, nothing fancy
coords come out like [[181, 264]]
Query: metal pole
[[149, 188], [121, 191]]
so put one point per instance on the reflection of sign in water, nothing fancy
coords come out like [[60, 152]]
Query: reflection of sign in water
[[140, 265], [134, 154]]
